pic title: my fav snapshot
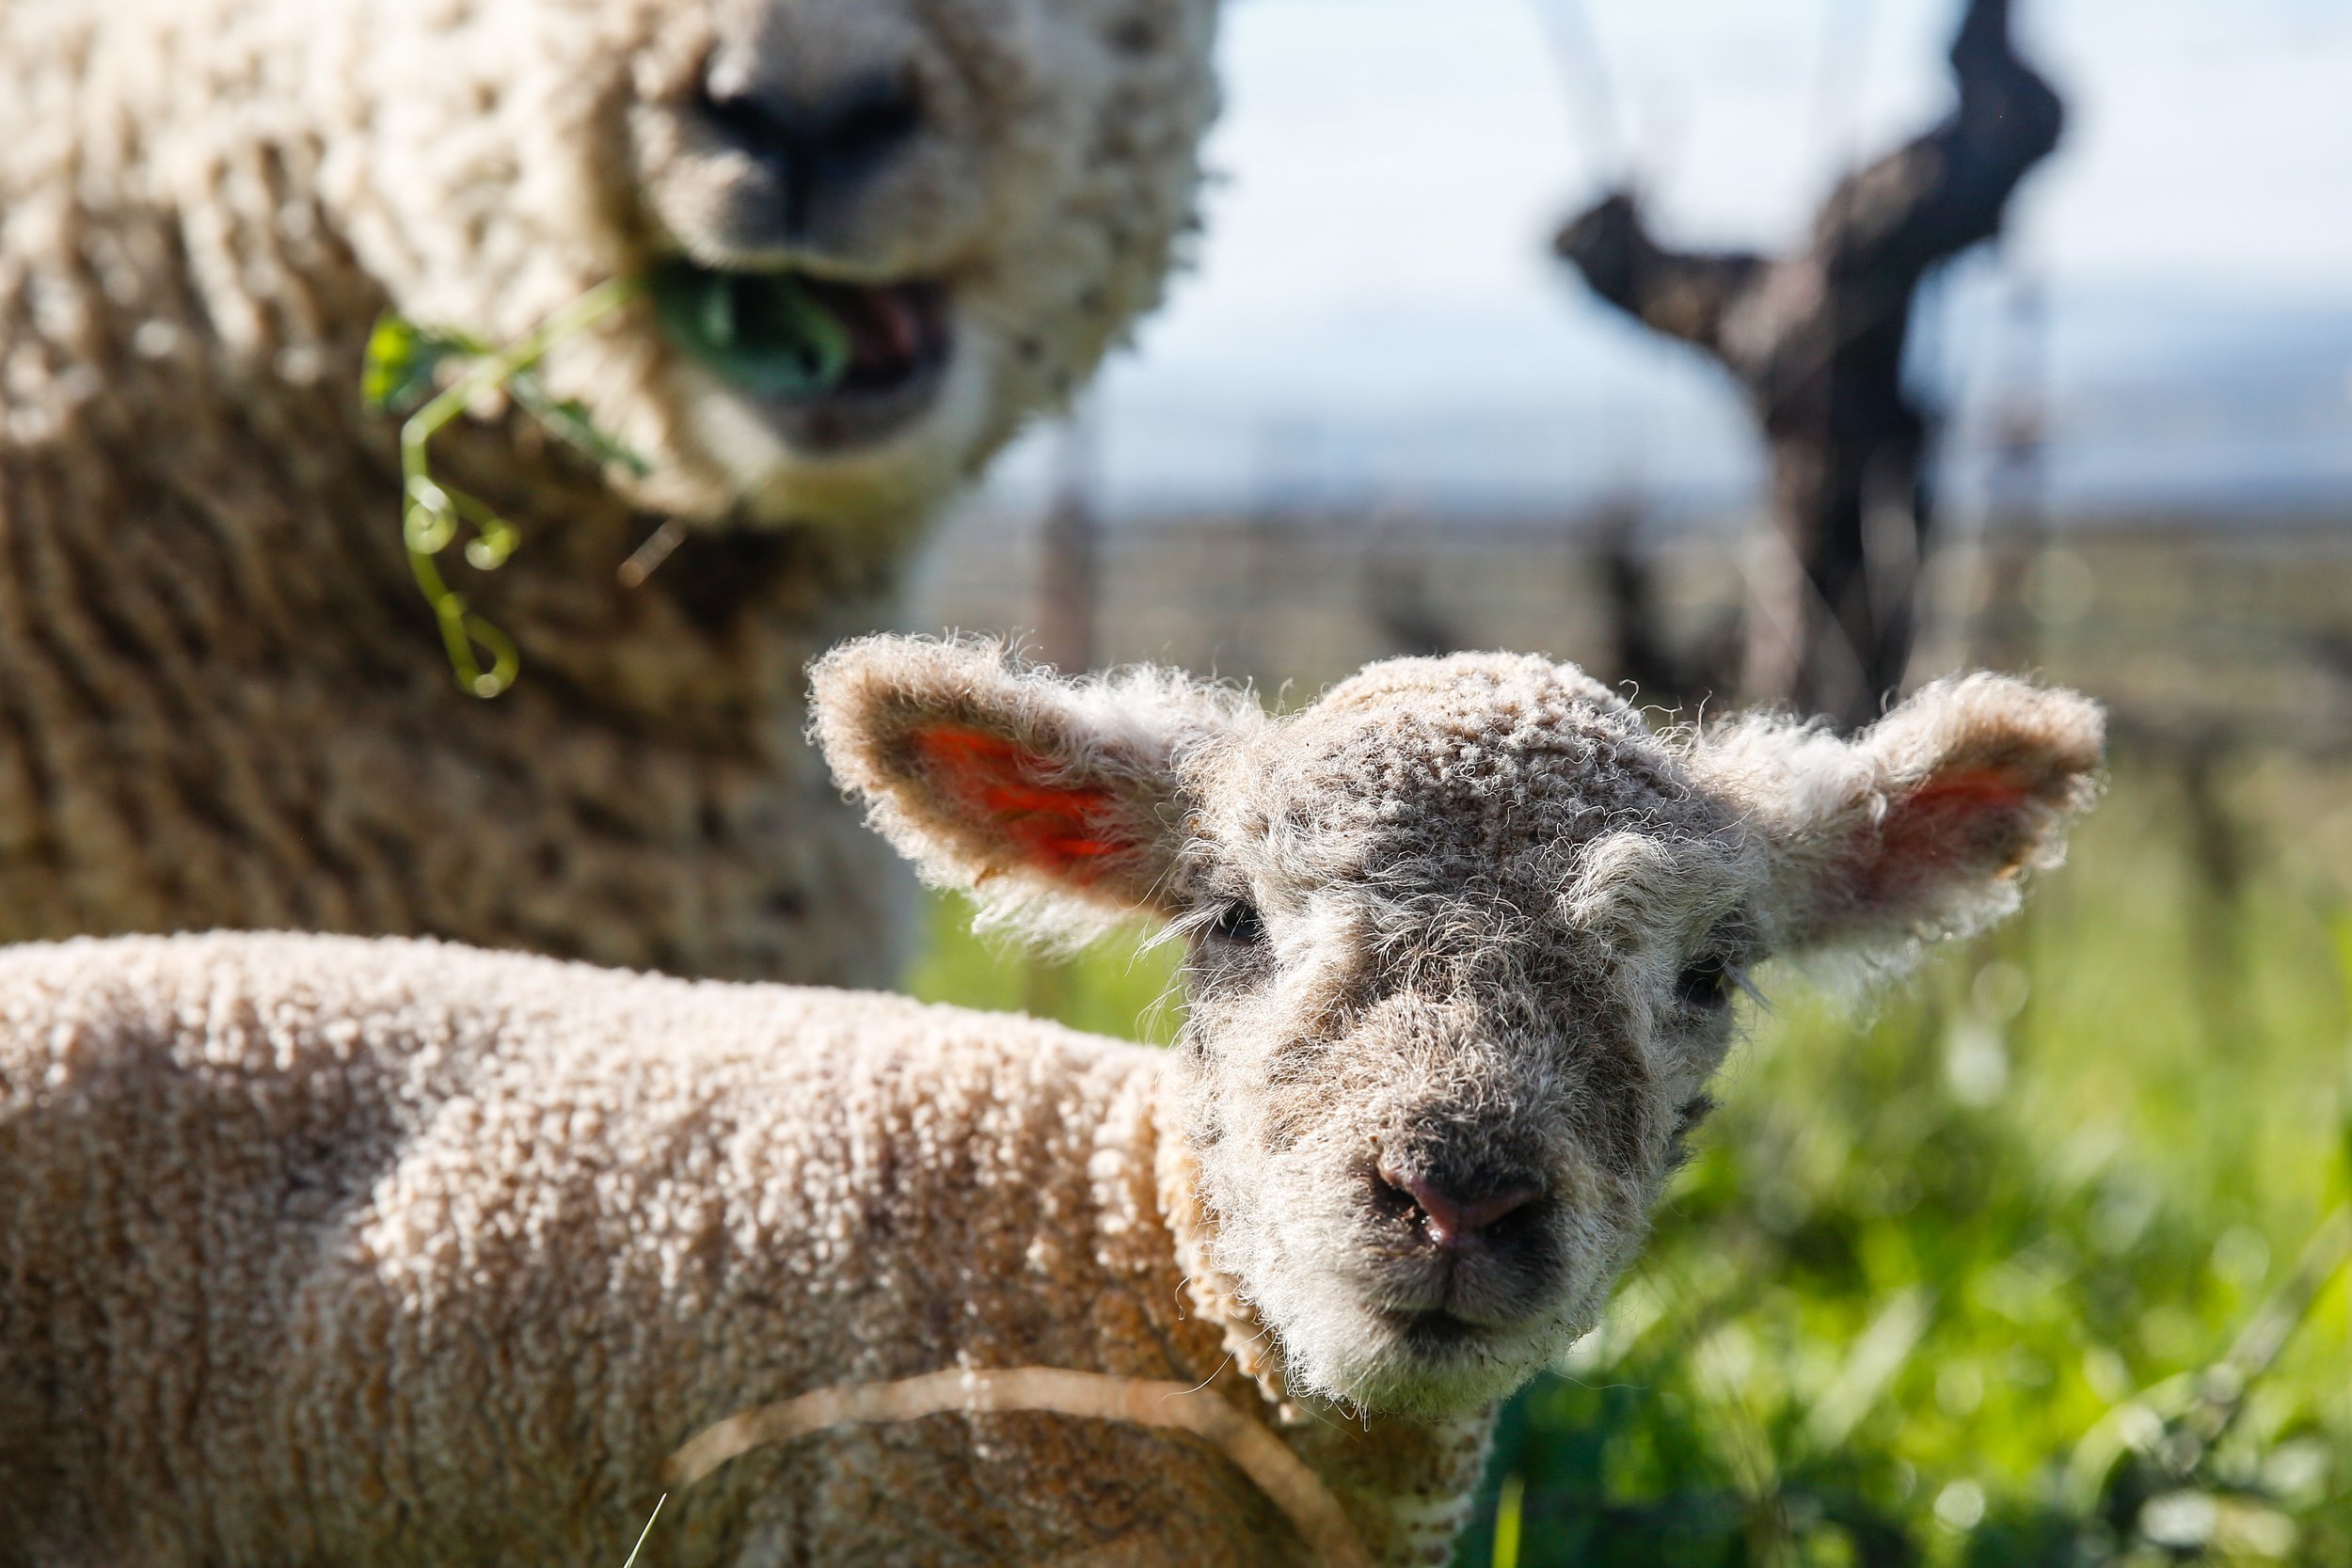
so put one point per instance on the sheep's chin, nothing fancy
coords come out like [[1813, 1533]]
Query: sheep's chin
[[1341, 1342], [1421, 1365]]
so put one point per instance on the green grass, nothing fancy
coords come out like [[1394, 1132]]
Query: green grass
[[1124, 986], [1949, 1284]]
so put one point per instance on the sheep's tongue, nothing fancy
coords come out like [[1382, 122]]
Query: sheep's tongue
[[893, 327]]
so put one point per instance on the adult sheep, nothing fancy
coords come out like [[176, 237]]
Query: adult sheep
[[315, 1250], [225, 703]]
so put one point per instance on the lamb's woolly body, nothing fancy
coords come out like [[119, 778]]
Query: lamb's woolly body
[[319, 1249], [225, 704]]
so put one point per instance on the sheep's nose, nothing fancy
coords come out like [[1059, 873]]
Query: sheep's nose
[[1454, 1211], [814, 145]]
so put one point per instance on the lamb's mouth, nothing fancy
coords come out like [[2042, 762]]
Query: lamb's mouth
[[1437, 1335], [1434, 1333], [833, 365]]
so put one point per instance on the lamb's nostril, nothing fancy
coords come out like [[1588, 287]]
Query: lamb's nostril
[[815, 145], [1451, 1211]]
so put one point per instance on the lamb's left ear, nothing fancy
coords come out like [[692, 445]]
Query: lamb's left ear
[[1055, 801], [1917, 828]]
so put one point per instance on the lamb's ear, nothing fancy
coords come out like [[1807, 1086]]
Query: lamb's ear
[[1919, 827], [1053, 800]]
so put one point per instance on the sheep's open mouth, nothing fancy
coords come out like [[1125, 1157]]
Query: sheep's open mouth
[[833, 364]]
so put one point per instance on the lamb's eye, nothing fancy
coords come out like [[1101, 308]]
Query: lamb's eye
[[1239, 922], [1705, 983]]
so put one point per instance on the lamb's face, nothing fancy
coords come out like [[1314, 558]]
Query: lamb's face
[[1464, 940], [1462, 955], [878, 233]]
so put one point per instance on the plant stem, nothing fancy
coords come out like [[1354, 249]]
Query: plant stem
[[431, 513]]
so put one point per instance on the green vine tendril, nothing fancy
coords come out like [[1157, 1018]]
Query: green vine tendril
[[404, 362]]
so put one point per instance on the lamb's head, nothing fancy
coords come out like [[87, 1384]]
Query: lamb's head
[[878, 233], [1464, 941]]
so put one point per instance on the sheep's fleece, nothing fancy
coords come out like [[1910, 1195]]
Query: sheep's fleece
[[320, 1249], [225, 704], [316, 1249]]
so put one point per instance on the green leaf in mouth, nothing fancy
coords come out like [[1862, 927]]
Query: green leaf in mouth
[[766, 332]]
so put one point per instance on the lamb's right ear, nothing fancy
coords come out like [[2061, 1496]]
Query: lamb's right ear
[[1053, 800]]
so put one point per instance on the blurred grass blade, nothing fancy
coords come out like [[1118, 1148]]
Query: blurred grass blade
[[1876, 1357], [630, 1561], [1508, 1518], [2258, 1346]]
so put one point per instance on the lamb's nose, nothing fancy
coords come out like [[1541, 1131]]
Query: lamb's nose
[[1453, 1211], [814, 145]]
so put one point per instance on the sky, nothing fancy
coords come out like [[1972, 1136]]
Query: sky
[[1372, 316]]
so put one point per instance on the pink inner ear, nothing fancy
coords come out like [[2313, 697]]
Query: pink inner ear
[[1968, 819], [1055, 827]]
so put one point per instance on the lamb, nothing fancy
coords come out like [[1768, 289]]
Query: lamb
[[321, 1249], [225, 704]]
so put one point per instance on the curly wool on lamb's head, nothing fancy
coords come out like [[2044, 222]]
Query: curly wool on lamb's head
[[881, 232]]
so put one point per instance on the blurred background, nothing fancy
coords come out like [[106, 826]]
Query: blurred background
[[2044, 1261]]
